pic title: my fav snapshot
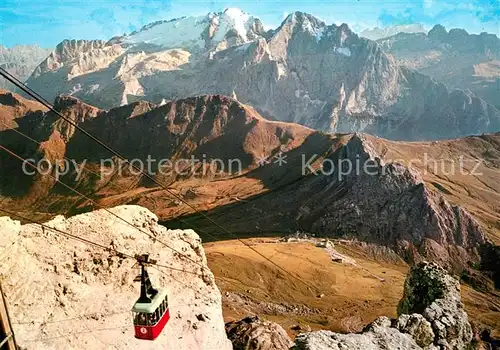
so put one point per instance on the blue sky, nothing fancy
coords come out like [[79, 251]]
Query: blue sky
[[48, 22]]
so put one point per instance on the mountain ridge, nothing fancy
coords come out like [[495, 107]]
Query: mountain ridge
[[377, 33], [218, 127], [455, 57]]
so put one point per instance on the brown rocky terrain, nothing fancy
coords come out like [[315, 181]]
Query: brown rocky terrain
[[13, 106], [208, 127], [391, 207], [378, 200], [257, 334]]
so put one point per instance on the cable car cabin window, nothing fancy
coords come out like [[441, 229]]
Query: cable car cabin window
[[140, 319], [153, 318]]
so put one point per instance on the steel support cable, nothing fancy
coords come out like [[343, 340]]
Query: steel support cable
[[83, 196], [89, 242], [105, 209], [39, 143]]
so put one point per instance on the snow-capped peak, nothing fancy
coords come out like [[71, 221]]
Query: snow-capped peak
[[202, 32], [238, 19], [235, 12], [306, 22]]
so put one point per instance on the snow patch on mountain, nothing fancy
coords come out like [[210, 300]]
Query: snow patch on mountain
[[237, 19], [319, 33], [343, 50], [185, 31], [196, 33]]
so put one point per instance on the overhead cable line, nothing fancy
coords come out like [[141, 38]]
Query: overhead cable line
[[89, 242], [103, 208], [135, 183], [39, 143]]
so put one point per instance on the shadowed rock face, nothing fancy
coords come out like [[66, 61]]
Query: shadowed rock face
[[390, 203], [386, 203], [432, 316], [253, 333], [322, 76]]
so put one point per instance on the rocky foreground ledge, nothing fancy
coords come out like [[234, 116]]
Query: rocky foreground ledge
[[63, 294], [431, 317]]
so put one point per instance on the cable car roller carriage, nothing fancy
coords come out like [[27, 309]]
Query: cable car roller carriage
[[150, 311]]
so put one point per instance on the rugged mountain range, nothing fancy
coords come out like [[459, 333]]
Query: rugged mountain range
[[457, 58], [321, 76], [309, 189], [21, 60]]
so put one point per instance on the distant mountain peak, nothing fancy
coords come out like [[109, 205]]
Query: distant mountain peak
[[381, 33], [21, 60], [438, 32], [234, 12], [304, 18], [302, 22]]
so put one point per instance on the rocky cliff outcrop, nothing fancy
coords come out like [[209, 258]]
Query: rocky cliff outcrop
[[64, 294], [322, 76], [388, 202], [435, 295], [253, 333], [431, 316]]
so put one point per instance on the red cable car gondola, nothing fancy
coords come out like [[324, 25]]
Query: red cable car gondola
[[151, 312]]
